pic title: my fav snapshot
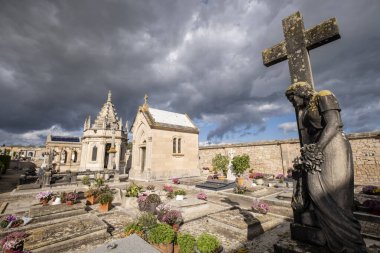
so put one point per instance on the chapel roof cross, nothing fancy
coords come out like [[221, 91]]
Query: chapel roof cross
[[298, 41]]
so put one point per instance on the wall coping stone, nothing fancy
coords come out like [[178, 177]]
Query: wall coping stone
[[352, 136]]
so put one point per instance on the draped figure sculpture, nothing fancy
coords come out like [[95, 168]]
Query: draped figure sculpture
[[324, 187]]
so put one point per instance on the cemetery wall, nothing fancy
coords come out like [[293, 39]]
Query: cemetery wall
[[275, 157]]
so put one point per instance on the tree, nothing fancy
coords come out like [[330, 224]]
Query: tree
[[240, 164], [219, 163]]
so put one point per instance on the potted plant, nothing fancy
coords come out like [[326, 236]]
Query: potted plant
[[179, 194], [105, 200], [176, 180], [150, 203], [147, 221], [240, 164], [219, 163], [162, 237], [134, 228], [173, 218], [13, 242], [207, 243], [86, 180], [240, 189], [99, 182], [71, 198], [186, 243], [91, 194], [202, 196], [44, 197], [260, 206], [133, 190]]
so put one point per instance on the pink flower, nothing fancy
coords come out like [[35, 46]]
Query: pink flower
[[202, 196]]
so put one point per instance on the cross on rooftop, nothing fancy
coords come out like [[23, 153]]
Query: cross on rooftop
[[297, 44]]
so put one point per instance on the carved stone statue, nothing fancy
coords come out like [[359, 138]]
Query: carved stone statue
[[324, 189]]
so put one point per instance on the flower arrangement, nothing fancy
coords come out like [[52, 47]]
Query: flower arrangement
[[168, 188], [179, 192], [162, 209], [259, 206], [202, 196], [172, 217], [176, 180], [6, 220], [13, 241], [133, 190], [258, 175], [92, 192], [71, 197], [240, 189], [44, 195], [150, 187]]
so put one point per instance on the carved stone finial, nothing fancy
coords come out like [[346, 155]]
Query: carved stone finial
[[109, 96], [145, 106]]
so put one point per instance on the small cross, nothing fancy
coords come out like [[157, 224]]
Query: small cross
[[297, 44]]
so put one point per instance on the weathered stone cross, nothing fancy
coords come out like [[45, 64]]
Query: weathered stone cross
[[297, 44]]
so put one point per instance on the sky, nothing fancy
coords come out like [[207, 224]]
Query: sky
[[58, 59]]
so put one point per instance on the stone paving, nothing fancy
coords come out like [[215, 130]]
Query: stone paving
[[225, 214]]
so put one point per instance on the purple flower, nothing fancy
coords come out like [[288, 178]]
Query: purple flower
[[10, 218], [258, 175], [259, 206], [202, 196], [172, 217], [44, 195]]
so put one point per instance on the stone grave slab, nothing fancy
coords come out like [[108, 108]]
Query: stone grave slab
[[117, 220], [216, 185], [194, 212], [64, 235], [261, 192], [282, 198], [43, 213], [245, 222], [187, 202], [28, 186], [131, 244]]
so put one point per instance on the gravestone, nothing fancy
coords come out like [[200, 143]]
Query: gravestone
[[43, 213], [131, 244], [216, 185]]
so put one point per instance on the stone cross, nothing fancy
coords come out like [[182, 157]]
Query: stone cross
[[297, 44]]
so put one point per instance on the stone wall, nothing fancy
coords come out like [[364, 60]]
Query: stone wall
[[275, 157]]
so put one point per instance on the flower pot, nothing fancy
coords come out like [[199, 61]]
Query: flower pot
[[90, 200], [103, 208], [175, 227], [164, 248], [176, 248], [259, 181], [240, 181], [179, 197], [222, 177], [45, 202]]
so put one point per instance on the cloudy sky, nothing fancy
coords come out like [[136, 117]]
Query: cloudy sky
[[58, 59]]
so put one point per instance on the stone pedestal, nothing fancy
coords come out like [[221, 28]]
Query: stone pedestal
[[307, 234], [287, 245]]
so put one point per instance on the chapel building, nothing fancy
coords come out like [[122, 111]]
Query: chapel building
[[104, 141], [165, 145]]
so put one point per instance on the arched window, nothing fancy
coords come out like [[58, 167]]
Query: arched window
[[174, 145], [94, 153], [179, 146], [64, 156], [74, 156], [30, 154]]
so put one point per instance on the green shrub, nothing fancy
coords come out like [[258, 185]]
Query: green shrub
[[186, 243], [133, 228], [219, 163], [179, 192], [133, 190], [162, 233], [147, 220], [240, 164], [153, 199], [99, 182], [105, 198], [207, 243], [86, 180]]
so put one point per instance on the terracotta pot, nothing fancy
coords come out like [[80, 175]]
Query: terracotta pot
[[176, 248], [103, 208], [164, 248], [69, 202], [222, 177], [90, 200], [45, 202], [240, 181], [175, 227]]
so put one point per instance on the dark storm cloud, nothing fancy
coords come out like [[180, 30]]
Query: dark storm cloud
[[58, 59]]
